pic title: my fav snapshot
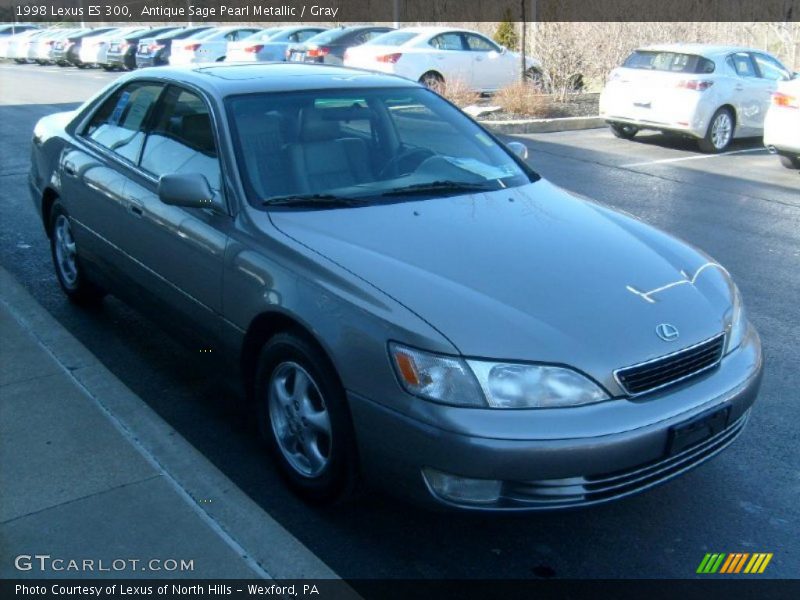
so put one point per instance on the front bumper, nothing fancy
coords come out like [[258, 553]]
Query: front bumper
[[611, 459]]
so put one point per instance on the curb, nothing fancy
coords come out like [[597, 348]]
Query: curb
[[544, 125], [270, 549]]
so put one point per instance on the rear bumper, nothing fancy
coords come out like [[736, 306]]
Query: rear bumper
[[547, 474]]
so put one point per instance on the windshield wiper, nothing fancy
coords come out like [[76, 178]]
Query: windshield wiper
[[440, 186], [313, 201]]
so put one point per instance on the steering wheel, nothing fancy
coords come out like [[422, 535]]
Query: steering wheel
[[395, 167]]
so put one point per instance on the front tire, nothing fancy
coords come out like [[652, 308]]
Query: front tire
[[304, 418], [64, 251], [623, 130], [720, 132]]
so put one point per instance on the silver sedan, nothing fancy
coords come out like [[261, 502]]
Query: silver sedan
[[407, 303]]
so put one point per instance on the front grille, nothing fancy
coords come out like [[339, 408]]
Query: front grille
[[672, 368], [592, 489]]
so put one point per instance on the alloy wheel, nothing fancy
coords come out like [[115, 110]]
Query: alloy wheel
[[721, 130], [300, 420], [65, 251]]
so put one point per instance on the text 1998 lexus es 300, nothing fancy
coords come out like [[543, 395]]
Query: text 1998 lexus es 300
[[409, 304]]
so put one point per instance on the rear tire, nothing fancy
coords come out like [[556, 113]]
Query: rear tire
[[720, 132], [66, 261], [304, 418], [790, 162], [432, 80], [623, 130]]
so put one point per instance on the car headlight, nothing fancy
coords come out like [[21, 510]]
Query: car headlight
[[735, 321], [478, 383]]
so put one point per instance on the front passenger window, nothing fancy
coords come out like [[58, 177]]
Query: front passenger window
[[120, 121], [182, 139]]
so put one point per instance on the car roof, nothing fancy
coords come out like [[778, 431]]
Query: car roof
[[226, 79], [699, 49]]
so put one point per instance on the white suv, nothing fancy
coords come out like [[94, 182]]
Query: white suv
[[712, 93]]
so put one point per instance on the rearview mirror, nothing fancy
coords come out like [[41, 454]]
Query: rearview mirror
[[519, 149], [190, 190]]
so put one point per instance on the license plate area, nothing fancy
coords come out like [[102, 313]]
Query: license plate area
[[697, 429]]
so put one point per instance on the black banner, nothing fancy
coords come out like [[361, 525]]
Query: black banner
[[405, 11], [741, 587]]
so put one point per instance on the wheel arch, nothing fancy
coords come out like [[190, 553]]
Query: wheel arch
[[265, 326], [49, 197]]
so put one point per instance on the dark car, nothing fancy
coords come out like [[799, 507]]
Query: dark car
[[67, 50], [154, 51], [405, 300], [329, 46], [122, 52]]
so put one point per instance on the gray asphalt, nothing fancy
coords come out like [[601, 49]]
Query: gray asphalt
[[743, 208]]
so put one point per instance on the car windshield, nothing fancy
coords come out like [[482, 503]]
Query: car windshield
[[675, 62], [363, 145]]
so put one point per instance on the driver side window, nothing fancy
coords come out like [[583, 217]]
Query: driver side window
[[771, 69]]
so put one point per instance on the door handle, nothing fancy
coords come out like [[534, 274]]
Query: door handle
[[69, 169], [478, 58], [739, 88], [136, 209]]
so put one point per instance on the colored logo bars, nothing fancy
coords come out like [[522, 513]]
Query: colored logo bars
[[734, 563]]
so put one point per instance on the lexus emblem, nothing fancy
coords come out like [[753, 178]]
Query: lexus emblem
[[667, 332]]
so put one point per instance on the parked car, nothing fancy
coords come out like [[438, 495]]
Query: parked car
[[12, 48], [713, 94], [66, 51], [437, 55], [41, 49], [261, 47], [94, 49], [329, 47], [122, 51], [155, 51], [404, 297], [210, 48], [22, 46], [782, 123]]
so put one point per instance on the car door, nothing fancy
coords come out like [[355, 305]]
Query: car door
[[181, 248], [770, 72], [97, 169], [489, 69], [449, 57], [747, 93]]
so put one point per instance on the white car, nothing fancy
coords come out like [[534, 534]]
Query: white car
[[94, 49], [208, 48], [782, 124], [711, 93], [270, 44], [435, 55], [15, 47]]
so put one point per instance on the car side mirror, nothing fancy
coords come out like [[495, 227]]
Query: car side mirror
[[190, 190], [519, 149]]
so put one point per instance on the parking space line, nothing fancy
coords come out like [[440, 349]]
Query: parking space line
[[682, 158]]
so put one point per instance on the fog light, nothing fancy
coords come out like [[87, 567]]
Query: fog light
[[462, 489]]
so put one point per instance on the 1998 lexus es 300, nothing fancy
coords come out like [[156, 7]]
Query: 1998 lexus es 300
[[408, 302]]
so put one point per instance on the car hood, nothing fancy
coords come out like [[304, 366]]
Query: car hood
[[530, 273]]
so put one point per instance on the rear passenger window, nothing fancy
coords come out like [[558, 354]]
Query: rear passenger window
[[120, 121], [182, 139], [742, 64]]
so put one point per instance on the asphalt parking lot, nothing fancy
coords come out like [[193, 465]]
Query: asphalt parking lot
[[743, 208]]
